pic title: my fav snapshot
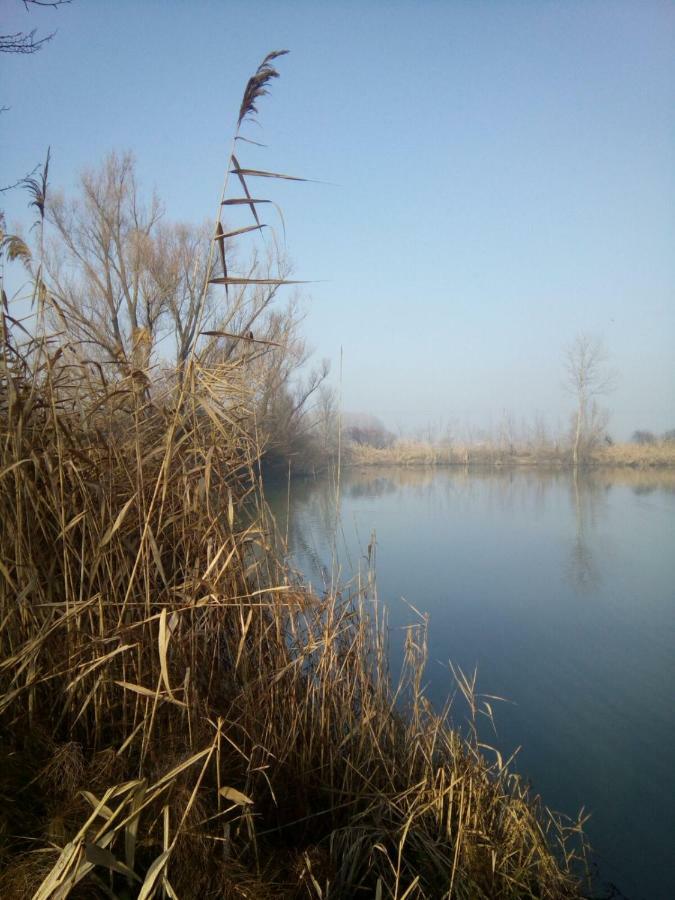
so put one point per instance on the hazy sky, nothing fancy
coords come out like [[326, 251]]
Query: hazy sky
[[503, 176]]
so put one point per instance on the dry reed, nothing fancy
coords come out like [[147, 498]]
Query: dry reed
[[660, 455]]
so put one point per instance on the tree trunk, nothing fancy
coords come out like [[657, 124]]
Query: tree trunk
[[577, 436]]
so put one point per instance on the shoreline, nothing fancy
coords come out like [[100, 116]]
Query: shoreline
[[621, 456]]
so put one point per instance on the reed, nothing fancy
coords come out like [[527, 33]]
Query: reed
[[180, 717], [659, 455]]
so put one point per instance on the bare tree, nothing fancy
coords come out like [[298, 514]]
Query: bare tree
[[327, 419], [135, 288], [587, 377], [101, 261], [121, 278], [539, 435], [247, 311], [175, 274], [285, 401], [366, 429], [507, 433]]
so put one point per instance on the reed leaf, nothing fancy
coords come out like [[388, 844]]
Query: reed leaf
[[245, 281], [153, 875], [235, 796], [259, 173]]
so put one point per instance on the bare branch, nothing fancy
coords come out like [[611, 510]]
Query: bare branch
[[23, 42], [54, 4], [20, 181]]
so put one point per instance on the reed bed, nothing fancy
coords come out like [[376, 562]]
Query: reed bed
[[423, 453], [179, 716], [420, 453], [659, 455]]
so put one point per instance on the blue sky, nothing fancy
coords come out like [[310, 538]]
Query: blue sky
[[502, 177]]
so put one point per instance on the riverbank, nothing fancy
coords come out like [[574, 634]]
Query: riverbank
[[415, 453], [178, 714]]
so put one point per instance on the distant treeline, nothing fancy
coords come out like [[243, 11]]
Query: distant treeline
[[369, 442]]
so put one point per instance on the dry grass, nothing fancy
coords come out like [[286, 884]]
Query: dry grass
[[640, 456], [420, 453], [404, 453], [176, 713]]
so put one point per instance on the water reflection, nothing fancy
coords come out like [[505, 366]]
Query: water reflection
[[373, 487], [314, 521], [560, 590], [305, 517], [589, 501]]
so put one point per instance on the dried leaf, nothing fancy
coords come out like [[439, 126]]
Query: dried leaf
[[152, 875], [89, 668], [13, 466], [180, 768], [148, 692], [244, 201], [235, 796], [164, 638], [156, 556], [247, 201], [99, 856], [230, 510], [238, 231], [242, 180], [220, 238], [255, 281], [242, 640], [99, 807], [118, 521], [259, 173]]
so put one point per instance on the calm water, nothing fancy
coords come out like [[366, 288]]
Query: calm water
[[563, 595]]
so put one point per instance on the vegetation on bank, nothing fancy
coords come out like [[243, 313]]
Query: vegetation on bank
[[367, 442], [660, 454], [179, 717]]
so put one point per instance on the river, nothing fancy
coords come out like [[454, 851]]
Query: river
[[561, 592]]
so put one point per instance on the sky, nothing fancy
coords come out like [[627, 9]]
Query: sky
[[495, 178]]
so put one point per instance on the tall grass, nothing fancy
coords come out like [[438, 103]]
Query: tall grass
[[659, 455], [179, 717]]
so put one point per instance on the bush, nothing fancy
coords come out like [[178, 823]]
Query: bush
[[643, 437]]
